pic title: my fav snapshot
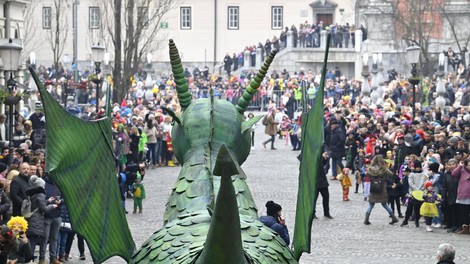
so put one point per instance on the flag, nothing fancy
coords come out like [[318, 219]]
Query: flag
[[312, 142]]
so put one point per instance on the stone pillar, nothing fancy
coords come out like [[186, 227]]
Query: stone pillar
[[246, 59], [358, 44], [290, 39], [323, 34], [259, 58]]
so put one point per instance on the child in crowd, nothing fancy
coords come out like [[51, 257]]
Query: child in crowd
[[389, 159], [343, 177], [365, 179], [394, 191], [428, 208], [284, 127], [138, 192], [294, 134], [359, 168]]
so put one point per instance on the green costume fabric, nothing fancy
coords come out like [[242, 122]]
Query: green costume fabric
[[312, 142], [80, 161]]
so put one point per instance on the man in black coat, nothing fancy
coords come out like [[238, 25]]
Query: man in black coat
[[322, 186], [402, 152], [18, 188], [336, 146]]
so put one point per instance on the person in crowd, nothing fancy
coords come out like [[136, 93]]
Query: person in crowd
[[275, 220], [36, 230], [271, 127], [151, 133], [445, 254], [449, 196], [228, 64], [429, 209], [19, 185], [379, 174], [335, 138], [322, 185], [462, 172], [394, 189], [416, 182], [138, 193], [345, 181]]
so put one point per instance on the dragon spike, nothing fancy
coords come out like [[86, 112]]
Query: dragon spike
[[181, 83], [224, 241], [252, 88]]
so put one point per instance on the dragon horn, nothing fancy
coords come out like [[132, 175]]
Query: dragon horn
[[181, 83], [251, 89], [224, 241]]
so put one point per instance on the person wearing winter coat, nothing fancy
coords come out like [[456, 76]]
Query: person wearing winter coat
[[37, 194], [379, 174], [416, 181], [449, 196], [462, 172], [5, 205], [275, 220], [336, 146], [322, 186], [18, 188], [271, 128]]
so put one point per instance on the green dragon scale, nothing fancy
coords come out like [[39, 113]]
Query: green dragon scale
[[210, 216]]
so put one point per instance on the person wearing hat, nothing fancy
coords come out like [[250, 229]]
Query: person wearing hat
[[37, 118], [275, 220], [462, 172], [335, 139], [449, 196], [404, 150], [39, 204], [429, 208], [416, 182], [435, 179]]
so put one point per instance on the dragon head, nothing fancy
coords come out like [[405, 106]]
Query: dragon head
[[209, 122]]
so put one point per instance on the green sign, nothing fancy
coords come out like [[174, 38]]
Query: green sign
[[163, 24]]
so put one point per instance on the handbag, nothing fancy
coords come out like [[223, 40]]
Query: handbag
[[376, 185]]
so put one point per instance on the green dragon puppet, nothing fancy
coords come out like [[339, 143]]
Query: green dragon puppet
[[210, 216]]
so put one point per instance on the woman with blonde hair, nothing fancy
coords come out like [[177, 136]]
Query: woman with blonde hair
[[10, 176], [378, 175]]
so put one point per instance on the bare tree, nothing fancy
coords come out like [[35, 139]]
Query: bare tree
[[421, 22], [29, 27], [56, 36], [140, 21]]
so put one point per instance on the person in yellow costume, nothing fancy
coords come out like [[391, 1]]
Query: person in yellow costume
[[345, 180]]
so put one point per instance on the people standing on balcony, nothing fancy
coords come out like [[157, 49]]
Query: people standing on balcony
[[283, 38], [228, 63], [268, 47], [294, 36], [352, 31], [302, 35], [276, 44], [346, 35], [235, 62], [364, 32]]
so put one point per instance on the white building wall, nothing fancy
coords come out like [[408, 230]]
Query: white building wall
[[197, 44]]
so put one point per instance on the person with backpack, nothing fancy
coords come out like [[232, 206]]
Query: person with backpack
[[37, 194], [19, 186]]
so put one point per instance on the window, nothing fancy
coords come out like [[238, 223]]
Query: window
[[276, 17], [233, 17], [46, 17], [94, 17], [185, 18], [143, 16]]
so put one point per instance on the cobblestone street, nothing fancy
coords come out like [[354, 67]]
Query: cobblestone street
[[342, 240]]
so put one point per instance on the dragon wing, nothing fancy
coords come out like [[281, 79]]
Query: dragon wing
[[79, 159], [312, 142]]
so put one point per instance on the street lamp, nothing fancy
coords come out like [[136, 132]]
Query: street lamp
[[365, 89], [413, 53], [10, 54], [440, 88], [97, 54], [149, 70]]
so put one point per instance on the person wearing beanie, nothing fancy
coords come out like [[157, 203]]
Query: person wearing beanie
[[275, 220], [462, 172], [416, 182], [41, 206], [378, 175], [429, 208], [449, 196]]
